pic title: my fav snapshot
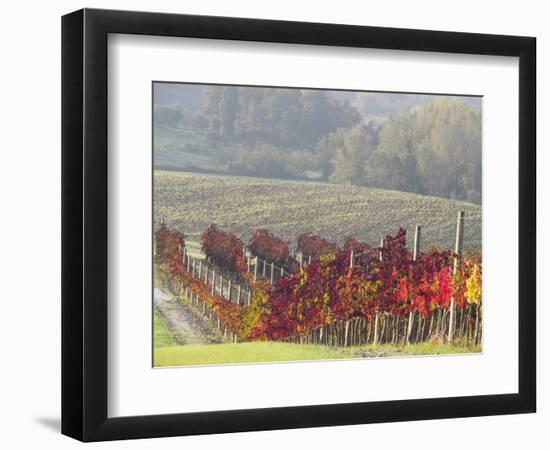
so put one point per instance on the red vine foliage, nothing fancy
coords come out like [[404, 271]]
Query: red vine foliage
[[267, 246], [315, 246], [381, 280], [224, 249], [170, 257]]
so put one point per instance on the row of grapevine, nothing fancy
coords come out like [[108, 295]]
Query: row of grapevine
[[314, 246], [270, 247], [224, 249], [380, 285], [171, 260]]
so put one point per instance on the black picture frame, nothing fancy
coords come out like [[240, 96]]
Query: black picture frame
[[84, 224]]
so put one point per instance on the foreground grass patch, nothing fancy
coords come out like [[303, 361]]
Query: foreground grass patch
[[246, 352], [253, 352], [423, 348]]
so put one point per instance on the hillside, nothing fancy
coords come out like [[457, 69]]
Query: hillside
[[180, 149], [289, 208]]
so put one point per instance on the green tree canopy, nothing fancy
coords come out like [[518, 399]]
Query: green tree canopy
[[434, 150], [351, 149], [286, 118]]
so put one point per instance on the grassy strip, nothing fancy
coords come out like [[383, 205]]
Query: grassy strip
[[254, 352], [423, 348], [246, 352], [164, 336]]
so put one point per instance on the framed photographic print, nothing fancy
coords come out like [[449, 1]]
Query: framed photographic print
[[273, 224]]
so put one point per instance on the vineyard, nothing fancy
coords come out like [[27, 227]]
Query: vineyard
[[327, 294]]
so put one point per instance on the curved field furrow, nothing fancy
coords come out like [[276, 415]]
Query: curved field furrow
[[241, 205]]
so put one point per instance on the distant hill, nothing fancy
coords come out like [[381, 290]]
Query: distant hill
[[185, 96], [288, 208], [381, 105], [180, 149]]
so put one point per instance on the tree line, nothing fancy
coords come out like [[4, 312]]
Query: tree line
[[433, 148]]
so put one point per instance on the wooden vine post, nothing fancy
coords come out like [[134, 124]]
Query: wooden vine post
[[351, 263], [376, 319], [214, 281], [456, 268], [416, 251]]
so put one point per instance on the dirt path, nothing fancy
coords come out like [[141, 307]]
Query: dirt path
[[189, 327]]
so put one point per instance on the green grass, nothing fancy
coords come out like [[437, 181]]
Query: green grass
[[254, 352], [180, 148], [288, 208], [424, 348], [163, 335], [246, 352]]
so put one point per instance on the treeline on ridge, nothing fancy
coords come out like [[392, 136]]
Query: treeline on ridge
[[433, 148]]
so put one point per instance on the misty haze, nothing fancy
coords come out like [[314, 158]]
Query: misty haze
[[425, 144]]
